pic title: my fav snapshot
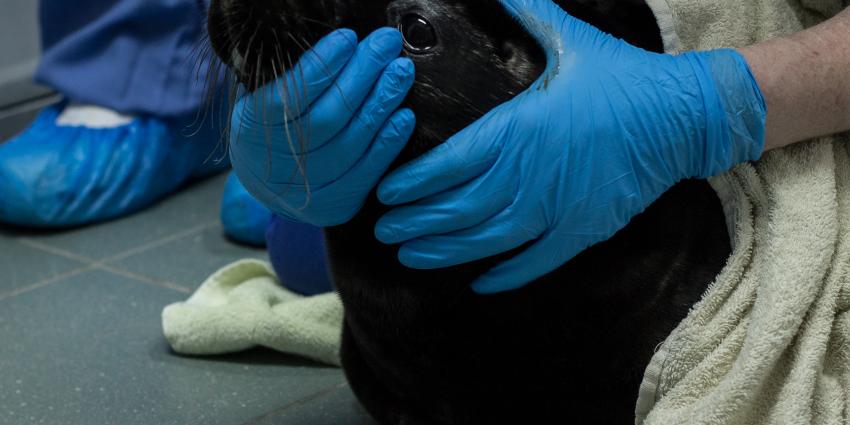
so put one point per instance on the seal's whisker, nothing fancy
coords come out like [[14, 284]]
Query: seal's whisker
[[211, 71], [286, 79], [219, 82], [233, 95], [303, 130], [267, 137], [255, 56], [315, 21], [288, 124], [247, 53], [299, 95]]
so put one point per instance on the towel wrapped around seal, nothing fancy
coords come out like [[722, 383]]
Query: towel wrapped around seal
[[770, 341]]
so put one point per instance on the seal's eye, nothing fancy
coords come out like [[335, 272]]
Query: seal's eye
[[419, 35]]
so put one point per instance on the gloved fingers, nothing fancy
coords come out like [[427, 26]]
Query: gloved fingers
[[336, 158], [333, 110], [289, 96], [544, 256], [500, 234], [347, 195], [281, 161], [450, 211], [386, 146], [465, 156]]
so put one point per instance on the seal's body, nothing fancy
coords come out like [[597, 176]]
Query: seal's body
[[419, 347]]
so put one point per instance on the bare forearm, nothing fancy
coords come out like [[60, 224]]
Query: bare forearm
[[805, 78]]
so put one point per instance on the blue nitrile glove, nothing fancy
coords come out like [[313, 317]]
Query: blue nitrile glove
[[244, 218], [314, 144], [601, 135], [59, 175]]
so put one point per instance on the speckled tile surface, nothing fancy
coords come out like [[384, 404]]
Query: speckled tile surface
[[89, 350], [81, 340], [335, 406], [22, 266], [189, 259]]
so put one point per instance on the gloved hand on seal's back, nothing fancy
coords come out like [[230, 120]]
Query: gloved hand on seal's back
[[312, 145], [601, 135]]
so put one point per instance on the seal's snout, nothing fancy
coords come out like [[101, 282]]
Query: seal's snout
[[260, 39]]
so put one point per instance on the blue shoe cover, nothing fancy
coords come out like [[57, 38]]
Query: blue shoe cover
[[62, 176], [245, 220]]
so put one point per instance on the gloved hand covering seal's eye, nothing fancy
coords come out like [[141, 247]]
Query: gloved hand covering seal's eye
[[419, 35]]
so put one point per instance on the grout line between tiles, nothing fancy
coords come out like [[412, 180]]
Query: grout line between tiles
[[159, 283], [45, 282], [144, 247], [299, 402], [53, 250], [120, 256], [92, 264], [92, 267]]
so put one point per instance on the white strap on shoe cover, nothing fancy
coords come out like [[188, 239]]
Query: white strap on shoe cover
[[91, 116]]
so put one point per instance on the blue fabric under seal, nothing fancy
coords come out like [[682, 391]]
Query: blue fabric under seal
[[298, 255]]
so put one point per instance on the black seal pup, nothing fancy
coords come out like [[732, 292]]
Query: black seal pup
[[419, 347]]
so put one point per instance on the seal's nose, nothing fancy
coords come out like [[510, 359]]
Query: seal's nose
[[259, 40]]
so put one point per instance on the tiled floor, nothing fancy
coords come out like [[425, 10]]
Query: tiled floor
[[81, 340]]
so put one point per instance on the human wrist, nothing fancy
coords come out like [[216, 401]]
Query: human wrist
[[804, 80], [735, 112]]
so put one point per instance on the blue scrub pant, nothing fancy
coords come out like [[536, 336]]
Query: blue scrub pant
[[133, 56], [140, 57]]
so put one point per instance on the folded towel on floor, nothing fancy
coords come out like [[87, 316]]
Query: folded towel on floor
[[243, 306], [770, 341]]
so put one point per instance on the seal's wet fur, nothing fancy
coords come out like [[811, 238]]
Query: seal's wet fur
[[419, 347]]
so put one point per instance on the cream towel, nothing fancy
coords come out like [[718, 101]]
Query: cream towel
[[243, 306], [770, 341]]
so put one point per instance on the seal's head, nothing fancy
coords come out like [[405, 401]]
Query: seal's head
[[470, 55]]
